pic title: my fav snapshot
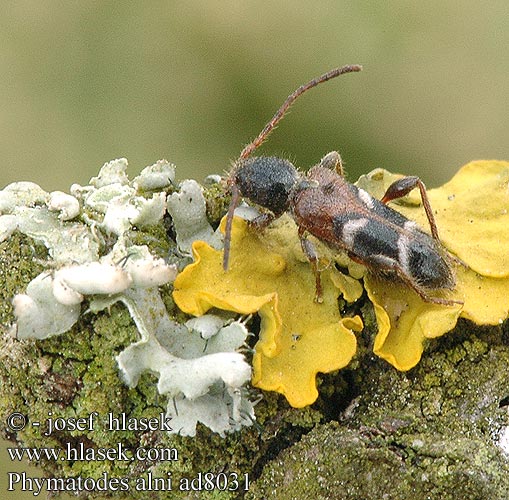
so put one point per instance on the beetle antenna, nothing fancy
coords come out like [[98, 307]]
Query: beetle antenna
[[333, 73]]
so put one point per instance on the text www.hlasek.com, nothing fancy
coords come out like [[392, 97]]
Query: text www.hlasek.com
[[81, 453]]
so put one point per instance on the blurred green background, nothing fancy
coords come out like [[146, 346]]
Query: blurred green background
[[84, 82]]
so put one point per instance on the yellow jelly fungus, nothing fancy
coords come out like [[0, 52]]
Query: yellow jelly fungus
[[405, 321], [269, 274]]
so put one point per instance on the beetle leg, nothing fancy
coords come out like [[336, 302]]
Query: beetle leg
[[262, 221], [430, 298], [402, 187], [228, 228], [310, 252]]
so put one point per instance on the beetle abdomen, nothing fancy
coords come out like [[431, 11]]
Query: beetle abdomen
[[394, 244], [428, 267]]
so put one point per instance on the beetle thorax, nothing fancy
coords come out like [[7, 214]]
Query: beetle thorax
[[267, 181]]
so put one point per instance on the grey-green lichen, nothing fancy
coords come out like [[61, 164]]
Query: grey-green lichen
[[91, 254]]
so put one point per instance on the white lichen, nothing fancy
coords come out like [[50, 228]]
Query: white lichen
[[8, 224], [160, 175], [91, 278], [188, 210], [191, 371], [119, 201], [91, 256], [66, 204], [21, 194], [147, 273], [113, 172], [66, 242], [38, 314], [207, 325]]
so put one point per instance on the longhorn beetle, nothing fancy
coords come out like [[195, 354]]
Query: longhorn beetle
[[343, 216]]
